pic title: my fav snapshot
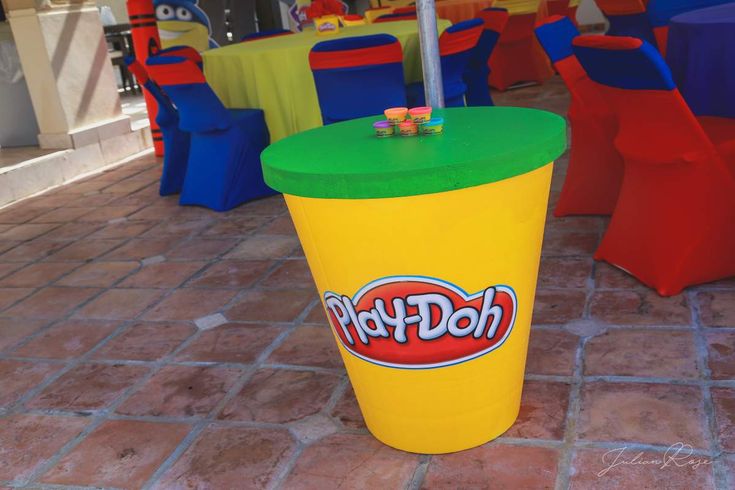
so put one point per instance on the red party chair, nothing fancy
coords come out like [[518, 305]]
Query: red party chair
[[627, 18], [674, 222], [595, 170], [518, 57], [563, 8]]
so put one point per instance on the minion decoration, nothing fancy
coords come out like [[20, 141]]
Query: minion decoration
[[183, 23]]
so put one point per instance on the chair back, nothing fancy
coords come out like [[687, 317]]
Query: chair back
[[494, 21], [358, 76], [628, 18], [372, 14], [654, 121], [255, 36], [183, 52], [167, 114], [478, 66], [200, 109], [555, 34], [395, 17], [456, 45]]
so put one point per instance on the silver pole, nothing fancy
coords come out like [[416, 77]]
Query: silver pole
[[430, 61]]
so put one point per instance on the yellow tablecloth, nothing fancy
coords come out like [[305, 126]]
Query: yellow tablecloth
[[459, 10], [274, 75]]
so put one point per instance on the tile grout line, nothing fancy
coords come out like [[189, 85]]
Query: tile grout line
[[212, 416], [719, 471], [564, 464]]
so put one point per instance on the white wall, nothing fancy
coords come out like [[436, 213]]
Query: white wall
[[118, 9]]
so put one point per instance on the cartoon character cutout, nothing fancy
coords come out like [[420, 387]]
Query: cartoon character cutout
[[183, 23]]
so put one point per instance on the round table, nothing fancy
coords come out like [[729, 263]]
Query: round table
[[450, 222], [701, 55], [459, 10], [273, 74]]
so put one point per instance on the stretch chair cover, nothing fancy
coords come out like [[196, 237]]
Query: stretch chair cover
[[265, 35], [224, 158], [358, 76], [660, 13], [566, 8], [395, 17], [627, 18], [187, 52], [518, 56], [456, 45], [175, 142], [477, 73], [595, 170], [673, 222]]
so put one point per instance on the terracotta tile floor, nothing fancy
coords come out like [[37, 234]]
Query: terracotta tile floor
[[141, 347]]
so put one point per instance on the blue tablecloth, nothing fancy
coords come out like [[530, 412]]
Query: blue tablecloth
[[701, 54]]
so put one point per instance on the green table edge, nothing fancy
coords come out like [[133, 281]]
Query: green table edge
[[546, 143]]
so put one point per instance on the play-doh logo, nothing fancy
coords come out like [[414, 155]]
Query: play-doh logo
[[416, 322]]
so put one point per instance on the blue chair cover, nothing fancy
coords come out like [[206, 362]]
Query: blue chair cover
[[358, 76], [556, 38], [395, 17], [453, 65], [175, 142], [224, 168], [478, 69], [633, 25], [634, 68], [183, 51]]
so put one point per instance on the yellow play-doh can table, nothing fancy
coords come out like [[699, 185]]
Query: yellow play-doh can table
[[425, 252]]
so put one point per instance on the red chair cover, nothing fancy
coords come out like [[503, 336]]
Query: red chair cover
[[518, 57], [673, 222]]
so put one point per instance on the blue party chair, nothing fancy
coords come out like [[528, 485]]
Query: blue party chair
[[224, 169], [627, 18], [358, 76], [477, 73], [255, 36], [187, 52], [175, 142], [395, 17], [455, 48]]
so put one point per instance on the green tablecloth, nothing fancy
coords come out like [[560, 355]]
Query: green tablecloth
[[274, 75]]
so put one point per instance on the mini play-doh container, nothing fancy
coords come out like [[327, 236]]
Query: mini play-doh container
[[329, 24], [383, 129], [408, 128], [420, 115], [433, 126], [425, 254], [396, 115]]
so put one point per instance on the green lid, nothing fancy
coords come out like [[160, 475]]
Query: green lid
[[479, 145]]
